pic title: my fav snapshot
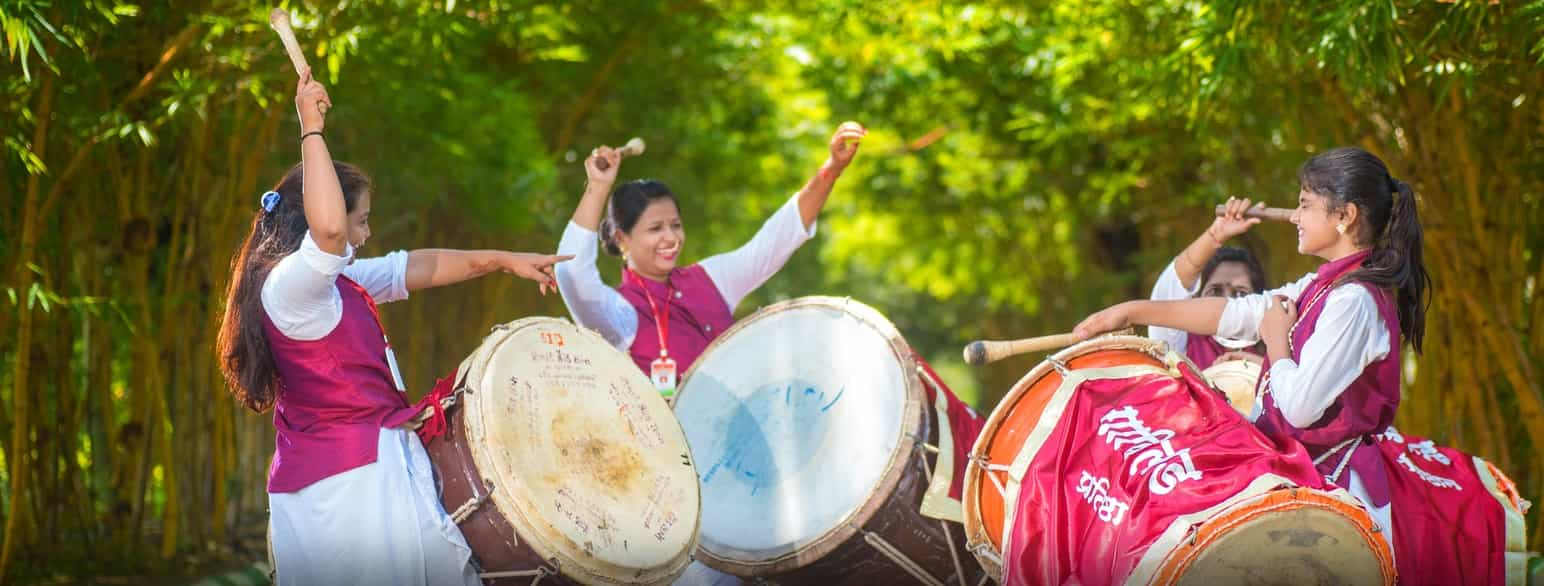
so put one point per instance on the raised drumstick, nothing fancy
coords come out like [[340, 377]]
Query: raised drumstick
[[984, 351], [1275, 214], [280, 21], [633, 147]]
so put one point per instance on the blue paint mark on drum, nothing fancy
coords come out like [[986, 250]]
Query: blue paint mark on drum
[[774, 433]]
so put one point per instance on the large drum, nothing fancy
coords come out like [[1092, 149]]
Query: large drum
[[1113, 461], [1237, 379], [816, 446], [562, 462]]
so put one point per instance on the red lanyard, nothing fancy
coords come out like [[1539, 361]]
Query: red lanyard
[[661, 316]]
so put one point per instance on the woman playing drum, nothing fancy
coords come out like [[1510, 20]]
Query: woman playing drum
[[351, 494], [1332, 381], [664, 314]]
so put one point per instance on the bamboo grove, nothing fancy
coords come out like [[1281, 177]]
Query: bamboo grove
[[1029, 163]]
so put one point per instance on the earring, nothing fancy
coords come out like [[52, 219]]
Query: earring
[[1341, 228]]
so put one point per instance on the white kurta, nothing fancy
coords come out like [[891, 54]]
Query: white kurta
[[381, 523], [736, 274], [1349, 335]]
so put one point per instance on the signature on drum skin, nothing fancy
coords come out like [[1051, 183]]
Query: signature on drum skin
[[777, 429]]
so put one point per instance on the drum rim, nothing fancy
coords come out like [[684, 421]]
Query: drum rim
[[526, 520], [1168, 567], [911, 422], [978, 541], [1232, 367]]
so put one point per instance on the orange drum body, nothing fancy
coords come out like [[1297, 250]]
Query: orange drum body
[[1113, 461]]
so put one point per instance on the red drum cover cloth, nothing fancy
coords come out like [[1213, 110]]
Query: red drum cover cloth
[[1126, 459]]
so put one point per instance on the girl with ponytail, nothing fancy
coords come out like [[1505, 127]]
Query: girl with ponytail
[[351, 495], [1333, 342]]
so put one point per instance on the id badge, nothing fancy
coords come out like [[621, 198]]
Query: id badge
[[663, 372], [396, 374]]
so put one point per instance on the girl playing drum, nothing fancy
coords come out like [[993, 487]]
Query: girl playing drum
[[664, 314], [1333, 340], [351, 494]]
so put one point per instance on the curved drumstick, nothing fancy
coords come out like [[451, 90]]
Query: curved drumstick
[[1274, 214], [633, 147], [983, 351], [280, 21]]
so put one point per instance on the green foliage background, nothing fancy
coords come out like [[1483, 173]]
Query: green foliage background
[[1028, 162]]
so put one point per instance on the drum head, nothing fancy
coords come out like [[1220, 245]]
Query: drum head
[[583, 452], [1292, 536], [799, 419], [1236, 379]]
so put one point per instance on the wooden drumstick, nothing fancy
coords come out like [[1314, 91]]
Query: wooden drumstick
[[1274, 214], [633, 147], [280, 21], [983, 351]]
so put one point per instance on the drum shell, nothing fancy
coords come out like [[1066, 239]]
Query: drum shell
[[495, 544], [1268, 506], [891, 512], [505, 526], [899, 522]]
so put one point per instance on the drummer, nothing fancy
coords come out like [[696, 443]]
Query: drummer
[[1333, 337], [662, 313], [350, 496], [1220, 271]]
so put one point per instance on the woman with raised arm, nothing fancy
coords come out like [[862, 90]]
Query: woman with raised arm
[[662, 313], [1208, 268], [351, 495]]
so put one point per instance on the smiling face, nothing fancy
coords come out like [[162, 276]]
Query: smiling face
[[1316, 233], [655, 242]]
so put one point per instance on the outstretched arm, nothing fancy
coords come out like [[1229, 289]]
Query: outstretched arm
[[436, 267]]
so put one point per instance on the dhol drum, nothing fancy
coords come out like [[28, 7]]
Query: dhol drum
[[821, 459], [1113, 462], [561, 462], [1237, 380]]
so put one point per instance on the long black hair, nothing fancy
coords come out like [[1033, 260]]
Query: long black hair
[[245, 359], [1387, 221], [626, 206]]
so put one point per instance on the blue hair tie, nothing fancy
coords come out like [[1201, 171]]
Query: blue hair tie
[[270, 200]]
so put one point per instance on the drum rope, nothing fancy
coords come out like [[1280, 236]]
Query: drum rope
[[989, 467], [538, 573], [899, 558], [959, 569], [471, 505], [1334, 478]]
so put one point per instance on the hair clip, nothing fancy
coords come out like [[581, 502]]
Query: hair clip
[[270, 200]]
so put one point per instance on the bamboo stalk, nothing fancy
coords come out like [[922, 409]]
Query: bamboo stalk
[[21, 407]]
